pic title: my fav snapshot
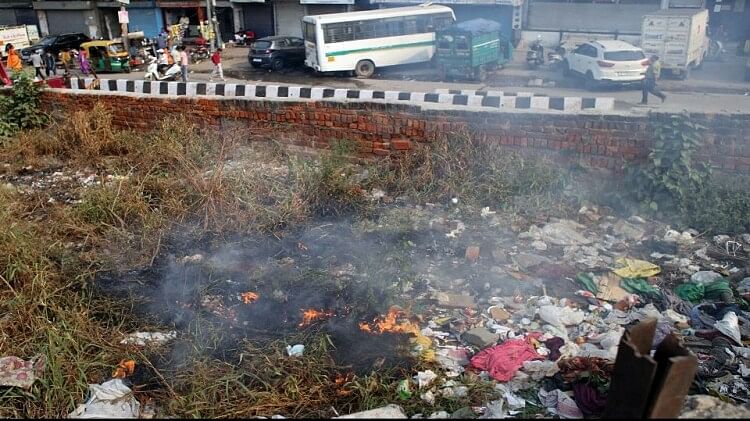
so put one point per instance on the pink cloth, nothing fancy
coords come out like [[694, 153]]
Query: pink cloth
[[502, 361]]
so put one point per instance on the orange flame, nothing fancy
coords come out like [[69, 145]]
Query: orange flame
[[124, 369], [390, 323], [249, 297], [310, 315]]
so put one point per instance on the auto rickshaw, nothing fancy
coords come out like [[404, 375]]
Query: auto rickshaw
[[107, 56], [468, 49]]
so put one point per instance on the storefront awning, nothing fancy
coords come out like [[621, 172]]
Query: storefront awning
[[179, 4]]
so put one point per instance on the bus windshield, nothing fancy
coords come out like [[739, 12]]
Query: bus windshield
[[308, 31]]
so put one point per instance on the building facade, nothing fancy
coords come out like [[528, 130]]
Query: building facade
[[282, 17], [14, 13], [506, 12]]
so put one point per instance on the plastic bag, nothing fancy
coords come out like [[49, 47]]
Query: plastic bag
[[634, 268]]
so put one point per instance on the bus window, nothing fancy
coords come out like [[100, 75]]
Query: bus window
[[338, 32], [308, 31]]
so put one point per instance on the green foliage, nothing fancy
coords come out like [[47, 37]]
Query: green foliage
[[670, 174], [21, 109], [721, 207]]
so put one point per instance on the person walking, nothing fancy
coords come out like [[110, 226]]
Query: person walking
[[649, 82], [161, 40], [84, 64], [216, 60], [38, 63], [14, 63], [184, 61], [66, 59], [49, 63]]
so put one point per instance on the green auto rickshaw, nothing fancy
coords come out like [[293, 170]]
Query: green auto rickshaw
[[107, 56], [468, 49]]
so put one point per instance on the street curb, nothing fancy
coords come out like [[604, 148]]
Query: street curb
[[470, 99]]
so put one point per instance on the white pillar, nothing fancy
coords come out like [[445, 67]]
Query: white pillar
[[43, 25], [239, 22], [664, 4]]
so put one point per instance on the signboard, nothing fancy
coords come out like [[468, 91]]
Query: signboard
[[124, 1], [122, 16], [32, 32], [15, 35]]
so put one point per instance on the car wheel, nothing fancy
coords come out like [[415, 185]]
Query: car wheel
[[589, 82], [364, 69], [277, 64]]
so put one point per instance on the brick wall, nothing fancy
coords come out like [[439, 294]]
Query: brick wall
[[603, 141]]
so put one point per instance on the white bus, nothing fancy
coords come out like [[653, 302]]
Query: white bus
[[362, 41]]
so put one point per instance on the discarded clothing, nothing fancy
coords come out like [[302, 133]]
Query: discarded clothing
[[19, 373], [503, 361], [634, 268], [559, 403], [695, 292], [586, 280], [111, 399], [571, 369], [590, 401], [639, 286], [554, 345]]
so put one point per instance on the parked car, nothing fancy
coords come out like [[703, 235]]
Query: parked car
[[276, 52], [606, 61], [55, 43]]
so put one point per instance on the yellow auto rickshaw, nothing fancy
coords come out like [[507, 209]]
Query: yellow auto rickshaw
[[107, 56]]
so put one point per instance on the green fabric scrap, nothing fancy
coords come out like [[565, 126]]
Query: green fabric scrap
[[586, 280], [639, 286], [693, 291]]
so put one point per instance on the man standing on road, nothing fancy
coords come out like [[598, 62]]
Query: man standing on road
[[49, 63], [184, 61], [161, 40], [216, 60], [649, 82], [36, 61], [66, 59]]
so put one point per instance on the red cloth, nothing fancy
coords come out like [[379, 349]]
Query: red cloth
[[4, 76], [216, 58], [502, 361]]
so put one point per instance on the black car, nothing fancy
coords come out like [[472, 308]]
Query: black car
[[55, 43], [277, 52]]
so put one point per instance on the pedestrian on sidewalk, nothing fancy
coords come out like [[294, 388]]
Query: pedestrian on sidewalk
[[83, 63], [66, 59], [649, 82], [49, 63], [14, 63], [161, 40], [38, 63], [184, 61], [216, 60]]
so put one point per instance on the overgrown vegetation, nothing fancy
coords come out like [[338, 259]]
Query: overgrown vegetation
[[673, 182], [20, 110]]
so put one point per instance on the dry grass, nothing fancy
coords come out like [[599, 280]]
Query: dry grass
[[179, 178]]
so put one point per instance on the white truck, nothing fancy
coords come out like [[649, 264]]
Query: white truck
[[678, 36]]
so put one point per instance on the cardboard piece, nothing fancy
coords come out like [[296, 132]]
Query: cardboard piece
[[649, 387], [610, 289]]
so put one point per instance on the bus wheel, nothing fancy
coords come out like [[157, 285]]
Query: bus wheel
[[364, 69]]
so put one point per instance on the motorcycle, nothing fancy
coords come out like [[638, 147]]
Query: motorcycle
[[156, 72], [555, 60], [199, 53], [535, 55]]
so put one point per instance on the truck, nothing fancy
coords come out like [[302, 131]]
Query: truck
[[679, 37], [468, 49]]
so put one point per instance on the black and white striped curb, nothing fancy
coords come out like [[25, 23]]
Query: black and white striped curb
[[249, 91]]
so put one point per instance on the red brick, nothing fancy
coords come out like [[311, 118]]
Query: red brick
[[401, 144]]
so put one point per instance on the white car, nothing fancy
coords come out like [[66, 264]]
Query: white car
[[606, 61]]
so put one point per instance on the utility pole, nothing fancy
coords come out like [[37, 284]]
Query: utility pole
[[124, 24], [209, 15]]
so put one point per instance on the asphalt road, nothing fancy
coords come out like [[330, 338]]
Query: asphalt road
[[717, 88]]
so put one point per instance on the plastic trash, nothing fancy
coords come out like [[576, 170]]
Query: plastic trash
[[403, 390], [111, 399], [559, 403], [143, 338], [729, 326], [634, 268], [428, 397], [425, 378], [705, 277], [564, 233], [296, 350], [19, 373], [561, 316]]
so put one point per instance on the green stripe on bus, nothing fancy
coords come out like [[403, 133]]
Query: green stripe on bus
[[387, 47]]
